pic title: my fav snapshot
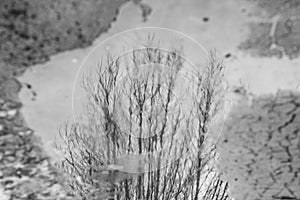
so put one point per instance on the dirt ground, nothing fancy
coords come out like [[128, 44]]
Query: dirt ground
[[31, 31], [260, 145], [274, 28], [258, 39], [260, 148]]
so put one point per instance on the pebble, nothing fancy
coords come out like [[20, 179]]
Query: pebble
[[12, 113], [3, 195], [115, 167], [9, 105], [79, 179], [74, 60], [25, 132], [8, 152], [10, 158], [228, 55], [205, 19], [1, 127], [3, 114]]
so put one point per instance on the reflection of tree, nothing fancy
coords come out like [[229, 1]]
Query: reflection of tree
[[137, 141]]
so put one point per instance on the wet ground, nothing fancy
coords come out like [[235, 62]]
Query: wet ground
[[31, 31], [259, 43], [260, 148], [225, 26]]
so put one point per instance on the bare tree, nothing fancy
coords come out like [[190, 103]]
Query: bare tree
[[136, 140]]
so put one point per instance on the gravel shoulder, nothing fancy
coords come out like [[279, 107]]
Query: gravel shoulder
[[30, 32]]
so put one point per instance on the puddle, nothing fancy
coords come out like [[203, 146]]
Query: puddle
[[214, 24]]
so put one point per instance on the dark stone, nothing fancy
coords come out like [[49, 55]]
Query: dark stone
[[228, 55], [205, 19]]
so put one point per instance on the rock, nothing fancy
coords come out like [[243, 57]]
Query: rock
[[25, 132], [10, 158], [3, 114], [9, 105], [3, 194], [12, 113], [205, 19], [228, 55], [115, 167]]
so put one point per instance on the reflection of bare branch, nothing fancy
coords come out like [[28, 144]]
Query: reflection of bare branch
[[136, 140]]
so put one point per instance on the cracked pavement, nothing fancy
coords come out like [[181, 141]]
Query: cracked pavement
[[260, 148], [274, 29]]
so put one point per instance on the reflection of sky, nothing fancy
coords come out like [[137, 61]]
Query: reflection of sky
[[53, 80], [123, 44]]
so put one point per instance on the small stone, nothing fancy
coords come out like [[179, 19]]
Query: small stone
[[1, 127], [3, 195], [28, 86], [74, 60], [10, 105], [228, 55], [105, 172], [115, 167], [19, 172], [79, 179], [25, 132], [205, 19], [3, 114], [12, 113], [10, 158], [8, 152]]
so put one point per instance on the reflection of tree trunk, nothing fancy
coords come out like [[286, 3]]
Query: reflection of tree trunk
[[157, 177], [111, 158], [127, 196], [111, 191], [140, 150]]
